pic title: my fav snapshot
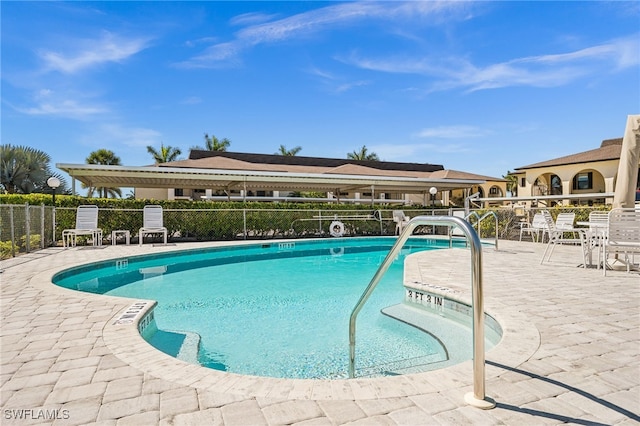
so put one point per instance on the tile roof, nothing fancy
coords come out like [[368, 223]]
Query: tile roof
[[297, 160], [456, 174], [295, 164], [609, 150]]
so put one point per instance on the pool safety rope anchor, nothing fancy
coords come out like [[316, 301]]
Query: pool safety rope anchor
[[336, 229]]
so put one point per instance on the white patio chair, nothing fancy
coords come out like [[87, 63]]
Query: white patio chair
[[623, 236], [598, 230], [152, 223], [86, 224], [401, 220], [556, 236], [564, 222], [537, 228]]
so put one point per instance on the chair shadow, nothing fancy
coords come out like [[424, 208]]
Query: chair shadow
[[559, 417]]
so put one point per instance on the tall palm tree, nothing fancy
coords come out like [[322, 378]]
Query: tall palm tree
[[108, 158], [214, 144], [363, 155], [288, 152], [24, 170], [166, 154]]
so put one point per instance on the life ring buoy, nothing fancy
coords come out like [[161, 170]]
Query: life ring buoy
[[336, 229]]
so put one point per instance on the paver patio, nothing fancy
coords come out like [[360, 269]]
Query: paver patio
[[571, 353]]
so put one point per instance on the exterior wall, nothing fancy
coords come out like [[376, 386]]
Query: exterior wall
[[537, 181], [153, 193], [487, 190]]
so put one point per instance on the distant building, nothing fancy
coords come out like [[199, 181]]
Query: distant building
[[593, 171], [451, 185], [220, 175]]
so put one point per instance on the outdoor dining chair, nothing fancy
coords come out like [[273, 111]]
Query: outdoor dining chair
[[623, 236], [537, 228], [556, 236]]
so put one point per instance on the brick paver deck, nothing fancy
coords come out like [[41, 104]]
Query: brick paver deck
[[571, 353]]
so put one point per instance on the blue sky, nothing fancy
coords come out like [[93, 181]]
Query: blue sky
[[481, 87]]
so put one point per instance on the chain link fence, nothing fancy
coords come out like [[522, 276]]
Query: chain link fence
[[24, 228]]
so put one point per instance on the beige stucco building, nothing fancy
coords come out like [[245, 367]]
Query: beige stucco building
[[589, 172]]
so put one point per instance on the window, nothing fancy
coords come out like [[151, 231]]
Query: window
[[494, 190], [523, 182], [583, 181], [556, 185], [178, 192]]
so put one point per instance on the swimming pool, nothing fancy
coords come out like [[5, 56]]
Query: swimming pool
[[276, 309]]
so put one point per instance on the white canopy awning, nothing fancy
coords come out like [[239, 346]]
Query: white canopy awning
[[170, 177]]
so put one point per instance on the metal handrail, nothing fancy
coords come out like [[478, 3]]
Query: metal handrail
[[473, 213], [487, 214], [478, 397]]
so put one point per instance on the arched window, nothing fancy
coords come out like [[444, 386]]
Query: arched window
[[583, 180], [495, 191], [556, 185]]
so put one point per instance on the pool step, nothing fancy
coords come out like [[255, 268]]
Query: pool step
[[454, 336]]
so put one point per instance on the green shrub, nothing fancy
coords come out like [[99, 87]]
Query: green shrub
[[5, 249]]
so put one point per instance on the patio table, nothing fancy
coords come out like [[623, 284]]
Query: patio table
[[597, 235]]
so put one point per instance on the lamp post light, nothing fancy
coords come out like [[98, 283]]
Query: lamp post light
[[53, 183], [433, 190]]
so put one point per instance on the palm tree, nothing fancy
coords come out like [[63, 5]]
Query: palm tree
[[166, 154], [107, 158], [214, 144], [288, 152], [363, 155], [512, 183], [25, 170]]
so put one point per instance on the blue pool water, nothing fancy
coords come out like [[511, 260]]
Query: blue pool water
[[272, 309]]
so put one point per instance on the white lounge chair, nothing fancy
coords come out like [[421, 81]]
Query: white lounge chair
[[401, 220], [623, 235], [556, 236], [86, 224], [152, 223]]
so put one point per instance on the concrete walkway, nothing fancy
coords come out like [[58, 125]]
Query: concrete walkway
[[571, 353]]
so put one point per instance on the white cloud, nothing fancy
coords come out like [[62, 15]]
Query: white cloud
[[191, 100], [129, 136], [318, 20], [48, 102], [251, 18], [412, 152], [348, 86], [68, 108], [89, 53], [452, 132], [537, 71]]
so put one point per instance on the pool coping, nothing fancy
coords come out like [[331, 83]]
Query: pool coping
[[520, 340]]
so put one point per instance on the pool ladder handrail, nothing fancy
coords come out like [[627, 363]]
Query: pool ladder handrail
[[477, 397]]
